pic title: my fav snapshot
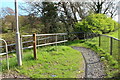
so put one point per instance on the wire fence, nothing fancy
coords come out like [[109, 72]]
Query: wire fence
[[111, 45]]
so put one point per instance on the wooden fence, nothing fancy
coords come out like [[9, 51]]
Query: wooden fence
[[33, 42], [112, 45], [46, 37]]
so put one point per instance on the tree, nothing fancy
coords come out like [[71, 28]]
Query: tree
[[96, 23], [8, 19], [49, 18], [103, 6], [32, 21], [70, 13], [7, 11], [52, 12], [45, 12]]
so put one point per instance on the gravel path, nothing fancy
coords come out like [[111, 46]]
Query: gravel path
[[93, 66]]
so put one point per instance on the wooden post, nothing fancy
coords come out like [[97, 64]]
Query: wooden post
[[34, 46], [119, 53], [64, 39], [111, 46], [84, 36], [45, 40], [99, 40], [56, 41], [7, 56]]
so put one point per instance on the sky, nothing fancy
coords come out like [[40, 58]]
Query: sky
[[7, 4], [10, 3]]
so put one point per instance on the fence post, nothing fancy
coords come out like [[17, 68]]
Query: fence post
[[87, 36], [111, 45], [7, 57], [84, 36], [119, 54], [64, 40], [34, 46], [56, 42], [99, 40], [45, 40]]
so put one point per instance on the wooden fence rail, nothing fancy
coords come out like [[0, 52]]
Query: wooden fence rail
[[24, 43], [37, 35], [45, 34], [35, 45]]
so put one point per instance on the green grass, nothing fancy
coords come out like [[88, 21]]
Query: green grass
[[105, 45], [64, 63], [114, 34], [111, 63]]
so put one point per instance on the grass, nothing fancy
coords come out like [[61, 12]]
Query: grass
[[51, 63], [114, 34], [105, 45], [110, 62], [64, 63]]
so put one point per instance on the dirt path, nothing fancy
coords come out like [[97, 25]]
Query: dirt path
[[13, 75], [93, 67]]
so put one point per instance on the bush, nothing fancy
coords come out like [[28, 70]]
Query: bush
[[96, 23], [4, 30]]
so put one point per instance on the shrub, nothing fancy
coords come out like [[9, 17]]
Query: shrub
[[96, 23]]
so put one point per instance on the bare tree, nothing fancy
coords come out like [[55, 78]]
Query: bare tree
[[8, 18], [103, 6]]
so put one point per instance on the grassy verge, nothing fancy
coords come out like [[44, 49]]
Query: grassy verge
[[51, 63]]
